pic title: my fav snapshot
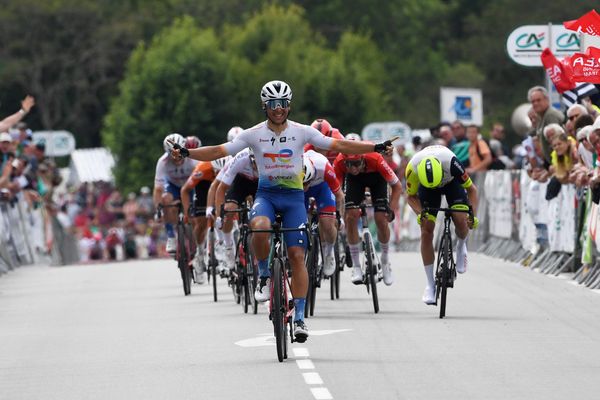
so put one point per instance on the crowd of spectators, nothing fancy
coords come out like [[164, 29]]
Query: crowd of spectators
[[108, 225], [105, 225]]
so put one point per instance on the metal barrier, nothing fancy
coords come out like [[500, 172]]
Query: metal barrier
[[24, 234]]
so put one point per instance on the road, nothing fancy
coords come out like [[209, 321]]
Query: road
[[125, 331]]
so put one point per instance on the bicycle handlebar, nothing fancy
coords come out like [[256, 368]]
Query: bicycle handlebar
[[438, 209]]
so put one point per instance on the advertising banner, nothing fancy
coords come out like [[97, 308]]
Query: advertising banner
[[463, 104]]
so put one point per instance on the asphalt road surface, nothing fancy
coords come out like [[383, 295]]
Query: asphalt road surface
[[125, 331]]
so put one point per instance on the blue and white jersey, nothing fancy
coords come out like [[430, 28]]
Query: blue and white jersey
[[279, 157]]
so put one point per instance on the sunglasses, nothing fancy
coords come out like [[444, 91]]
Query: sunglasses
[[273, 104], [353, 163]]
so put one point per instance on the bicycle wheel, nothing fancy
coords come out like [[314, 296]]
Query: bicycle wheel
[[278, 308], [443, 271], [249, 281], [334, 289], [212, 261], [311, 264], [183, 259], [371, 270]]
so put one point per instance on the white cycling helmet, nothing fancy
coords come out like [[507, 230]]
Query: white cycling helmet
[[309, 170], [275, 90], [353, 136], [175, 138], [233, 132], [219, 163]]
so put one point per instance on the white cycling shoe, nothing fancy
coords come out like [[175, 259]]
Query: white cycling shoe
[[329, 265], [429, 295], [388, 278], [357, 275]]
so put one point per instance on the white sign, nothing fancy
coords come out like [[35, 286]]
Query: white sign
[[379, 131], [526, 43], [58, 143], [463, 104]]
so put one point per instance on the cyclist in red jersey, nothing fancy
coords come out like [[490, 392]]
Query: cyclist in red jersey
[[360, 171], [327, 130]]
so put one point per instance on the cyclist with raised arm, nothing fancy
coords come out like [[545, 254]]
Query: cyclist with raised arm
[[431, 173], [321, 183], [172, 171], [236, 182], [278, 145], [359, 172]]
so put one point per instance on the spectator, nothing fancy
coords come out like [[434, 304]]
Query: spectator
[[545, 115], [6, 149], [26, 104], [460, 147], [445, 133], [145, 204], [130, 209], [497, 133], [480, 155], [574, 112], [563, 156]]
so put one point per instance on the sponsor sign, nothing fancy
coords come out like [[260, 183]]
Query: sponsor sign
[[463, 104], [526, 43], [58, 143]]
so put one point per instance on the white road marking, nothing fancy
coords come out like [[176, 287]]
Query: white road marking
[[267, 339], [305, 364], [301, 352], [312, 378], [321, 393]]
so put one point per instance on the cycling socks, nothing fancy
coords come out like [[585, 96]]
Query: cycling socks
[[228, 239], [169, 229], [219, 234], [299, 305], [327, 249], [384, 252], [461, 245], [429, 274], [355, 254], [263, 268]]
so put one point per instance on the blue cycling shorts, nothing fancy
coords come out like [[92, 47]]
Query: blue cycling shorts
[[175, 191], [323, 196], [290, 204]]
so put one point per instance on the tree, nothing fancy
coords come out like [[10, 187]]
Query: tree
[[190, 80]]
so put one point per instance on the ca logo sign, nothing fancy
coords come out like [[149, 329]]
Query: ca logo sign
[[567, 40], [528, 40]]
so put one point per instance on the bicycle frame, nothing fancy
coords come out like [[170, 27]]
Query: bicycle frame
[[445, 273]]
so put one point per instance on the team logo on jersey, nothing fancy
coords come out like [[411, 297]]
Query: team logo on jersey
[[283, 156]]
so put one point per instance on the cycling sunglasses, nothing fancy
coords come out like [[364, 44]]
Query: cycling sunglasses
[[281, 103], [353, 163]]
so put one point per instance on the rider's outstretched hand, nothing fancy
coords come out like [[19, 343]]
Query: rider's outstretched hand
[[177, 150], [384, 148], [473, 222]]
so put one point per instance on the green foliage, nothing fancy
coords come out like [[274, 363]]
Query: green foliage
[[191, 81]]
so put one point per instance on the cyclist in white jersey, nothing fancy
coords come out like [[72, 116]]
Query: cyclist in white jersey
[[278, 145], [321, 183], [171, 174], [236, 181], [431, 173]]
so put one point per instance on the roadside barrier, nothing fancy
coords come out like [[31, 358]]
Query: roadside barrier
[[30, 235]]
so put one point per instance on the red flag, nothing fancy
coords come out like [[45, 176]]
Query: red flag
[[559, 72], [588, 23], [586, 67]]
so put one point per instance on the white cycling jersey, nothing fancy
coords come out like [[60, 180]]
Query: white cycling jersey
[[279, 158], [324, 172], [168, 172], [240, 164]]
